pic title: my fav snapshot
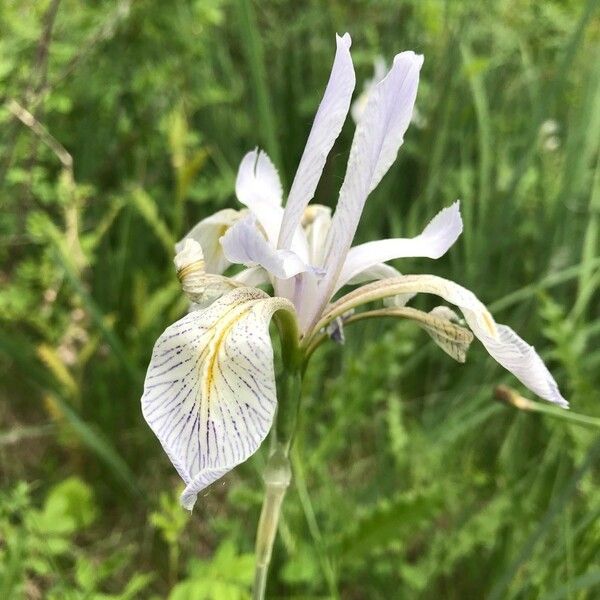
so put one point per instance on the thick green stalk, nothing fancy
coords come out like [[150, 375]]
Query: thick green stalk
[[277, 478], [277, 475]]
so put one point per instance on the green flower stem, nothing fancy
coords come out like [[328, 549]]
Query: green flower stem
[[278, 473], [509, 396], [277, 478]]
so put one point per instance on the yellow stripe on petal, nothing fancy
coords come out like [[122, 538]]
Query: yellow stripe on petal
[[209, 394]]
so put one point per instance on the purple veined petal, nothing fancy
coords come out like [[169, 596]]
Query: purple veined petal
[[245, 244], [258, 187], [208, 233], [378, 137], [209, 394], [326, 127], [435, 240]]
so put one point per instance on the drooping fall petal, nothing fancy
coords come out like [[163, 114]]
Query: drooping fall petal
[[503, 344], [209, 394]]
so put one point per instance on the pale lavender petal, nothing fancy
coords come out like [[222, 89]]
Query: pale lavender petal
[[378, 137], [245, 244], [326, 128], [435, 240]]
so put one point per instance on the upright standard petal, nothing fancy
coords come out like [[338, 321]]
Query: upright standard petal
[[207, 233], [258, 187], [326, 128], [435, 240], [378, 137], [258, 180], [245, 244], [503, 344], [209, 394]]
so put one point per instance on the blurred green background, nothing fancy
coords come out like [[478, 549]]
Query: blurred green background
[[410, 481]]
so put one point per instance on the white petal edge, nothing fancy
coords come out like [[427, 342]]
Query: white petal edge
[[435, 240], [326, 127], [209, 394], [378, 137], [245, 244]]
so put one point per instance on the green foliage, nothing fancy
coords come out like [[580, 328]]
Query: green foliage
[[40, 552], [409, 481], [227, 576]]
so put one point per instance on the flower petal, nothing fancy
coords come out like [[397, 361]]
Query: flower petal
[[382, 271], [245, 244], [207, 233], [258, 180], [435, 240], [200, 287], [252, 277], [379, 72], [326, 128], [503, 344], [258, 187], [209, 394], [315, 223], [378, 137]]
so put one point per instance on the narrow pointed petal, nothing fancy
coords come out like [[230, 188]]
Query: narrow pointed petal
[[258, 187], [207, 233], [209, 394], [503, 344], [245, 244], [326, 128], [435, 240], [378, 137]]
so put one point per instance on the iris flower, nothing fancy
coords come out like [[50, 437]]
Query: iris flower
[[210, 393]]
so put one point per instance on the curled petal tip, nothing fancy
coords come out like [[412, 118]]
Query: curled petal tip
[[188, 252], [345, 38]]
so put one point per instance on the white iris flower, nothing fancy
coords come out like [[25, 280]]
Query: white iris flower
[[210, 392]]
